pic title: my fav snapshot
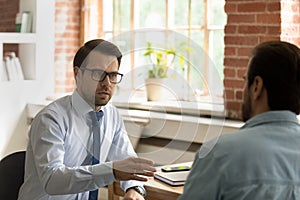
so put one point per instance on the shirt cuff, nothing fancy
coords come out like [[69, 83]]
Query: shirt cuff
[[103, 174], [128, 184]]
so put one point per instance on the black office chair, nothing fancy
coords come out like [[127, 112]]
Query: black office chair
[[11, 175]]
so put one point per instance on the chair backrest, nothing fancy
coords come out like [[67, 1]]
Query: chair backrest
[[11, 175]]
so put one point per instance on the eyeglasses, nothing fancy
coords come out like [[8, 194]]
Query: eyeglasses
[[100, 75]]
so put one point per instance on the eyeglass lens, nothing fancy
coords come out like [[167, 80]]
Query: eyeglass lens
[[114, 77]]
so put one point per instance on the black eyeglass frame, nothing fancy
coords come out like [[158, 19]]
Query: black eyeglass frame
[[109, 74]]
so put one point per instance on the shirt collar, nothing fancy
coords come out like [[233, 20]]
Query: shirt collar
[[79, 104], [271, 117]]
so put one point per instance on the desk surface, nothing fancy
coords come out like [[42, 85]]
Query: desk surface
[[155, 190]]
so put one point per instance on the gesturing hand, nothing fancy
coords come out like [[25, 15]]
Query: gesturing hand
[[129, 168]]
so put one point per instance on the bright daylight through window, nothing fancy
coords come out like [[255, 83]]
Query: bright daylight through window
[[186, 37]]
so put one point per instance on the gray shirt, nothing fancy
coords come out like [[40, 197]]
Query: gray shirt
[[260, 161]]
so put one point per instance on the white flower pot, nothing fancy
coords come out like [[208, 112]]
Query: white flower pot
[[159, 89]]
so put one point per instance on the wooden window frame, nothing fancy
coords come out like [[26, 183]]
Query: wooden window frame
[[206, 27]]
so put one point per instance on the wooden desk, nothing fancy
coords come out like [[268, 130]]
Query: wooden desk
[[156, 190]]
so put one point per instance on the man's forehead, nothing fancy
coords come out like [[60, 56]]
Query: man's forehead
[[96, 57]]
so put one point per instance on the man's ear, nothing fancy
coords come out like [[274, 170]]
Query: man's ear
[[76, 69], [257, 87], [76, 72]]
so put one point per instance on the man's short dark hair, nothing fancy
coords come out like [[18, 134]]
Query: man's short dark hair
[[278, 64], [98, 45]]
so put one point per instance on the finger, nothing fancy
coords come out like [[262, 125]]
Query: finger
[[144, 161], [138, 178], [146, 173], [150, 169], [142, 168]]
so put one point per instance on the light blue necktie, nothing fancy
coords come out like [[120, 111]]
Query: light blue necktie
[[93, 195]]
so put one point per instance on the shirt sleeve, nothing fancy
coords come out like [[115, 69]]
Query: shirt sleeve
[[48, 134], [203, 181], [122, 148]]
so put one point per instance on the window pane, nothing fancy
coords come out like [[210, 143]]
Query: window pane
[[178, 11], [142, 65], [107, 15], [217, 15], [123, 42], [197, 11], [116, 15], [198, 37], [121, 14], [197, 60], [135, 64], [150, 14], [125, 69], [218, 50], [107, 35]]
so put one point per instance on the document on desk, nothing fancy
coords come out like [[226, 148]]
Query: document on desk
[[176, 178]]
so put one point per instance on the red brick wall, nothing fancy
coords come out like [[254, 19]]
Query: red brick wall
[[248, 24], [67, 30], [8, 11]]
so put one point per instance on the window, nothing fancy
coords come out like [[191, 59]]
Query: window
[[196, 24]]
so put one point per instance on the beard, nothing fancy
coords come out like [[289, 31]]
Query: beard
[[101, 101], [93, 98], [246, 109]]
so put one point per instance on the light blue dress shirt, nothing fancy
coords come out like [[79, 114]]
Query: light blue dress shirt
[[60, 147], [261, 161]]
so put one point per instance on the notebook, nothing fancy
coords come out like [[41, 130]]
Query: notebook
[[172, 178]]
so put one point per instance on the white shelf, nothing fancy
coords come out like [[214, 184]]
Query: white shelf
[[17, 38], [36, 54]]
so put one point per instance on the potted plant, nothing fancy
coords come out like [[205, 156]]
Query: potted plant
[[161, 60], [158, 84]]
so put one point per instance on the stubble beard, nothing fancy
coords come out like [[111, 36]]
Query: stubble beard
[[101, 102], [246, 109]]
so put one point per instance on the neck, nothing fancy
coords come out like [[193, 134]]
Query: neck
[[97, 108], [260, 105]]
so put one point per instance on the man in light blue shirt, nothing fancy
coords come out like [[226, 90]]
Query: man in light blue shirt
[[60, 159], [262, 159]]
